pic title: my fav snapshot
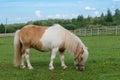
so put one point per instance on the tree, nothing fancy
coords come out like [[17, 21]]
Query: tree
[[109, 17], [89, 20], [102, 15], [117, 17], [80, 18], [102, 19], [117, 12], [70, 26], [2, 28]]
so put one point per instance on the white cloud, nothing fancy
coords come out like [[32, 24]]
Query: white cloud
[[19, 18], [23, 18], [62, 16], [97, 13], [59, 16], [38, 13], [74, 15], [89, 8]]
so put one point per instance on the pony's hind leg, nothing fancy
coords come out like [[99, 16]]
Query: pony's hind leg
[[22, 62], [27, 52], [62, 60]]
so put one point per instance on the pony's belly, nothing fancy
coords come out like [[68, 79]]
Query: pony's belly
[[47, 47], [41, 49], [44, 49]]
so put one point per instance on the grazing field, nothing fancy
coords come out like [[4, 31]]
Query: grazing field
[[103, 62]]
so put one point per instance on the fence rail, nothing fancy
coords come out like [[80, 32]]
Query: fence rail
[[6, 34], [98, 31]]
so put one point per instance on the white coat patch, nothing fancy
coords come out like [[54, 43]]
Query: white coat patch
[[51, 38]]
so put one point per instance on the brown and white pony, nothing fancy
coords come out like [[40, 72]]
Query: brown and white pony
[[54, 38]]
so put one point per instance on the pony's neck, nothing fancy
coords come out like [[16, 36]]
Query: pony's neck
[[72, 41]]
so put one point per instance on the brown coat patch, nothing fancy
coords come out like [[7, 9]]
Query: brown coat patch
[[30, 36]]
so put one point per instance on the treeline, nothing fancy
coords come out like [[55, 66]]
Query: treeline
[[108, 19], [10, 28]]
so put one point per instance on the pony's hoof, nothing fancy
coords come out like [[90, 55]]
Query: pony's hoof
[[65, 67], [22, 66], [51, 68], [30, 68]]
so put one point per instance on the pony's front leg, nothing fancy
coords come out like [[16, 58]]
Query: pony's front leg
[[27, 59], [54, 51], [62, 60]]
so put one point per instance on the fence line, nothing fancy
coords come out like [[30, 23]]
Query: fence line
[[101, 31], [98, 31]]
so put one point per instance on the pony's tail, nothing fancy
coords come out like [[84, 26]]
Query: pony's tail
[[17, 49]]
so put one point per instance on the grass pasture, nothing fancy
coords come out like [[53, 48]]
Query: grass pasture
[[103, 62]]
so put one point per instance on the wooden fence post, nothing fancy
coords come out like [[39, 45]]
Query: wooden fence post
[[85, 32], [116, 31], [98, 31], [91, 32]]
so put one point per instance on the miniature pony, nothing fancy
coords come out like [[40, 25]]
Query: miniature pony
[[54, 38]]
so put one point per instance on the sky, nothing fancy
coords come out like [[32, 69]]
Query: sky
[[22, 11]]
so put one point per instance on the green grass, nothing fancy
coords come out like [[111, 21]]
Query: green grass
[[103, 62]]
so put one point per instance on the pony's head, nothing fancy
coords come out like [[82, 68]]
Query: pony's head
[[80, 57]]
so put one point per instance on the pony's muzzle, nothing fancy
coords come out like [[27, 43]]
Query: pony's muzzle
[[80, 67]]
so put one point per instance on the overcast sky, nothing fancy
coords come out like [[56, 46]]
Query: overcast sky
[[18, 11]]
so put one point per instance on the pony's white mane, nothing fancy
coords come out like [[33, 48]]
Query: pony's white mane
[[71, 41]]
